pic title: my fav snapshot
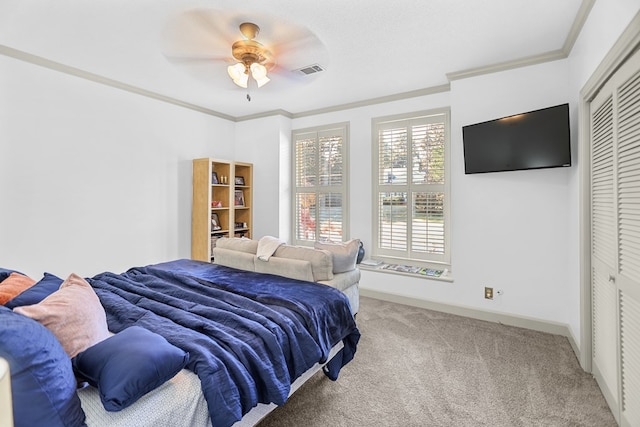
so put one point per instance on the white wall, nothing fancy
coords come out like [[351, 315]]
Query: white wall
[[266, 142], [606, 22], [94, 178], [510, 229]]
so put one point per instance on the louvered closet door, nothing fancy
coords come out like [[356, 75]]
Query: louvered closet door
[[615, 229], [603, 247]]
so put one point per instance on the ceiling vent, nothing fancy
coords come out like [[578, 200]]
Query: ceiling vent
[[310, 69]]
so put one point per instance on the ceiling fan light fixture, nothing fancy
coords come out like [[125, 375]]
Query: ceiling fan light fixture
[[252, 58], [259, 73], [238, 74]]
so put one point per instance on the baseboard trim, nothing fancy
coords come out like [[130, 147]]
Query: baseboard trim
[[474, 313]]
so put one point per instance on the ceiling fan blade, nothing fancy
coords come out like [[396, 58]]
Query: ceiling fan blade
[[297, 47], [193, 59], [294, 42], [198, 33]]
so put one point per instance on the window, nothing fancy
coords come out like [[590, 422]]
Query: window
[[320, 184], [411, 188]]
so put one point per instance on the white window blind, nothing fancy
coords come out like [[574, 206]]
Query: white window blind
[[411, 191], [320, 191]]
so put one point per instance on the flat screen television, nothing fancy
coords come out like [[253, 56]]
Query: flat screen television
[[534, 140]]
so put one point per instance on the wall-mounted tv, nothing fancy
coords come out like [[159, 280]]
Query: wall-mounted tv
[[534, 140]]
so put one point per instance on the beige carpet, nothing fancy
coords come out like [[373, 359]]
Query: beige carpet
[[416, 367]]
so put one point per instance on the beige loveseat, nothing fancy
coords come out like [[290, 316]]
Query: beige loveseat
[[296, 262]]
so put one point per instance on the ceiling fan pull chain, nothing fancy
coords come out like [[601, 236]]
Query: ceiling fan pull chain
[[251, 83]]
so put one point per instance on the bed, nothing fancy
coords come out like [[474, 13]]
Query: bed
[[230, 345]]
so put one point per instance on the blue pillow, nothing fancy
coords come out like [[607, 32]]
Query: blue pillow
[[45, 287], [4, 273], [129, 364], [42, 380]]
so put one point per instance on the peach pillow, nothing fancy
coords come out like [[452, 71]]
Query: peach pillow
[[73, 313], [13, 285]]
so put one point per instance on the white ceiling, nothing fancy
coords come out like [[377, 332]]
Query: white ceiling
[[372, 48]]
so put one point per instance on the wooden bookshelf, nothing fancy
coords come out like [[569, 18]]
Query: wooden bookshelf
[[221, 203]]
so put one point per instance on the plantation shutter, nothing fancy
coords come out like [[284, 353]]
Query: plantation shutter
[[306, 180], [410, 195], [320, 189]]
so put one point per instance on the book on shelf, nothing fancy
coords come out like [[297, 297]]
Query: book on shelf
[[431, 272], [402, 268], [214, 239]]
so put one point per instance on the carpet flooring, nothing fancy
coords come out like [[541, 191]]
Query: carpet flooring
[[417, 367]]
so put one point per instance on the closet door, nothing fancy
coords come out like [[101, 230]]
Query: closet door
[[615, 236], [603, 248]]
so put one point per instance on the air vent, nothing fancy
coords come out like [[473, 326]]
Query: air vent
[[310, 69]]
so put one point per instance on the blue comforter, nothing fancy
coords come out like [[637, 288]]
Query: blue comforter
[[249, 335]]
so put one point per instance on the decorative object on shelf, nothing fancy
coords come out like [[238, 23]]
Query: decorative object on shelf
[[239, 198], [215, 222], [214, 178], [214, 240], [239, 180], [360, 253], [216, 204]]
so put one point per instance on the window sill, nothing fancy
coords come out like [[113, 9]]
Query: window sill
[[445, 277]]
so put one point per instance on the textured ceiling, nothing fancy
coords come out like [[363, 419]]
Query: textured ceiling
[[370, 48]]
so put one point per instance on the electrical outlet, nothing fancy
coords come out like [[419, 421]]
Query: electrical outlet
[[488, 293]]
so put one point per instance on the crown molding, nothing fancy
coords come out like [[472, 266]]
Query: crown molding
[[578, 23], [77, 72], [508, 65], [271, 113], [380, 100], [358, 104]]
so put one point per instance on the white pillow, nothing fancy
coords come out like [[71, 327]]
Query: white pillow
[[344, 254]]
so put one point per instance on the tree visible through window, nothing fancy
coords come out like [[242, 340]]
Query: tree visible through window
[[320, 183], [411, 187]]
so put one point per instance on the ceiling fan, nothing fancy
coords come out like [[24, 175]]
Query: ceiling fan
[[286, 53], [255, 59]]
